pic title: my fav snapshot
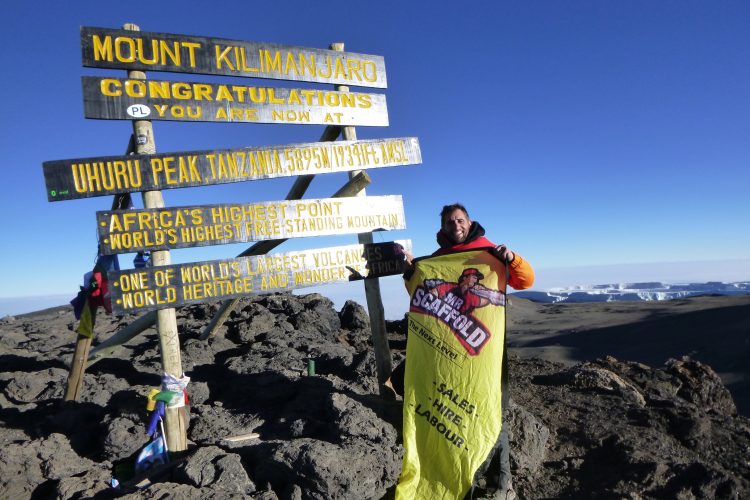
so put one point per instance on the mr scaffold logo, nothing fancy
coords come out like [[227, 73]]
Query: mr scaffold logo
[[453, 303]]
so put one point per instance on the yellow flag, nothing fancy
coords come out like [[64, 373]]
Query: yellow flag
[[87, 320], [452, 399]]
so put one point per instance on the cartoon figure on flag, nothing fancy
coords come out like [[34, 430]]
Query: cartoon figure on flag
[[453, 302], [468, 293]]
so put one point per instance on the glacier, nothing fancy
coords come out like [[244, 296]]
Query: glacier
[[633, 292]]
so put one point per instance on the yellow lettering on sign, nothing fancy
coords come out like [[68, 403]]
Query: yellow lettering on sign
[[223, 94], [339, 71], [318, 208], [307, 65], [181, 90], [290, 64], [270, 63], [364, 101], [110, 87], [257, 95], [135, 88], [237, 114], [102, 48], [127, 49], [191, 46], [133, 281], [161, 109], [230, 58], [159, 90], [148, 298], [328, 66], [221, 58], [372, 76], [240, 91], [325, 275], [102, 176], [274, 281], [242, 59], [129, 45], [202, 92], [293, 97], [333, 117], [155, 89], [352, 66], [272, 99]]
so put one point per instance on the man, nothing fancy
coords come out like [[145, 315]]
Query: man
[[459, 233]]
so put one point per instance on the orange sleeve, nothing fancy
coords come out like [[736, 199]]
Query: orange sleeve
[[521, 274]]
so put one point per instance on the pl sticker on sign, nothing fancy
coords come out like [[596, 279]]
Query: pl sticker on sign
[[138, 111]]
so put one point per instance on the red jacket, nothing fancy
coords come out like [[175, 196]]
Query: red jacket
[[521, 272]]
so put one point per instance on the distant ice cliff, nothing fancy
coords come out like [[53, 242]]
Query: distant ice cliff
[[635, 292]]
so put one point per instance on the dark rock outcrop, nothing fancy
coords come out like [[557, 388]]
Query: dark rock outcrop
[[601, 429]]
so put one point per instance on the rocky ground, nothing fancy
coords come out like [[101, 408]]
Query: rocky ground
[[602, 428]]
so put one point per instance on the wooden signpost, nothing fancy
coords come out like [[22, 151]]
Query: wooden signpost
[[108, 175], [116, 99], [74, 384], [383, 359], [177, 285], [161, 287], [122, 231], [175, 419], [122, 49]]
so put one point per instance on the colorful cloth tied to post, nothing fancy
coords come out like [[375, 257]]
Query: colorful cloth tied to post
[[156, 452], [176, 386], [171, 394], [153, 454], [94, 294]]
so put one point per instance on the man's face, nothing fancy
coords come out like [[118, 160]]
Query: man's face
[[469, 281], [456, 225]]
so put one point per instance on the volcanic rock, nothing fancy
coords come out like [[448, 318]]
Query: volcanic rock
[[602, 428]]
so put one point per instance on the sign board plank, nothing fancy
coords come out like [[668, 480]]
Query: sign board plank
[[124, 231], [118, 99], [109, 175], [176, 285], [121, 49]]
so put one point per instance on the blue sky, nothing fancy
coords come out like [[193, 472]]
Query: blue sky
[[582, 133]]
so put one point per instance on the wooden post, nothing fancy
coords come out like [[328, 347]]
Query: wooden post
[[77, 367], [83, 343], [383, 359], [166, 319]]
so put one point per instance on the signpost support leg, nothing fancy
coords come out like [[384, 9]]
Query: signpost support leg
[[166, 319], [83, 343], [109, 346], [77, 367], [383, 359]]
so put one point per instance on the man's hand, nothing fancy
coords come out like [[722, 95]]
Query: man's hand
[[408, 257], [504, 253]]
